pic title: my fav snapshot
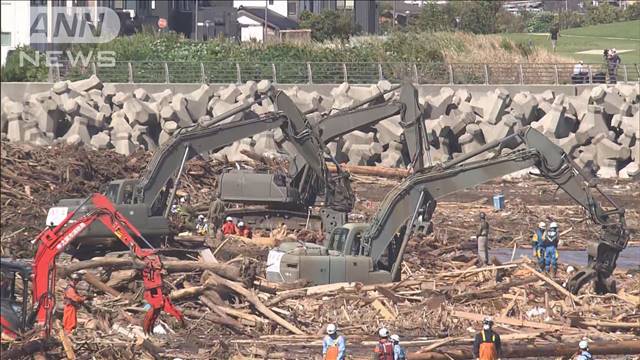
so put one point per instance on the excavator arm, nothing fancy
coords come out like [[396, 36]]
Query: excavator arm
[[168, 161], [53, 240], [426, 186]]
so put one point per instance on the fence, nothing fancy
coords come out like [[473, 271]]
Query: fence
[[332, 73]]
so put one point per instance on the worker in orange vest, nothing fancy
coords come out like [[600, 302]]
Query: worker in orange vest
[[487, 345], [384, 347], [244, 230], [71, 302], [229, 228], [333, 345]]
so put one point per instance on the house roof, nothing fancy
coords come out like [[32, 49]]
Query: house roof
[[274, 19]]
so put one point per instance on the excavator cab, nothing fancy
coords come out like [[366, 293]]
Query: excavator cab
[[121, 191], [15, 297]]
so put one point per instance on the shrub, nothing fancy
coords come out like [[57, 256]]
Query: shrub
[[13, 71], [541, 22], [603, 14]]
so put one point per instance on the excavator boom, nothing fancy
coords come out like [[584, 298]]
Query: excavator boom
[[388, 230]]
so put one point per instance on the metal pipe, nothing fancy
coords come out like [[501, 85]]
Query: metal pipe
[[175, 183]]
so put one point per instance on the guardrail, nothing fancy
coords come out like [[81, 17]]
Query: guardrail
[[333, 72]]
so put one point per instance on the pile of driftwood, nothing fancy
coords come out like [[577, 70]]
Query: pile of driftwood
[[435, 309]]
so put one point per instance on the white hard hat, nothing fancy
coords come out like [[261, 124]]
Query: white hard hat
[[488, 320], [395, 337], [553, 225], [182, 199], [331, 329], [584, 344], [542, 225], [383, 332], [229, 218], [241, 224], [613, 50], [200, 216]]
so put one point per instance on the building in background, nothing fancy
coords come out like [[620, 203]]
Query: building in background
[[15, 25], [252, 24]]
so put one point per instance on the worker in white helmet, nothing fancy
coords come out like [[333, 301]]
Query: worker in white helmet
[[384, 347], [333, 345], [229, 227], [550, 247], [536, 240], [487, 345], [583, 352], [398, 351]]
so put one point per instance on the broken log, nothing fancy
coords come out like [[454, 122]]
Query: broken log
[[98, 284], [550, 281], [30, 348], [226, 271], [371, 170], [253, 299], [508, 321], [628, 347]]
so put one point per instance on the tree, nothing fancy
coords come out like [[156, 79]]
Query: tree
[[14, 70], [435, 17], [603, 14], [478, 17], [329, 25]]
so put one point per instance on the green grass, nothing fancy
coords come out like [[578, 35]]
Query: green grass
[[597, 37], [624, 29]]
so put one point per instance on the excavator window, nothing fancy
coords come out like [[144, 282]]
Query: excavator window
[[338, 239], [112, 192], [127, 193]]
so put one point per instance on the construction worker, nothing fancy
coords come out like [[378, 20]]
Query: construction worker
[[244, 230], [216, 213], [550, 247], [229, 228], [186, 213], [583, 352], [398, 351], [536, 240], [152, 281], [71, 302], [333, 345], [202, 227], [486, 345], [384, 347], [483, 239]]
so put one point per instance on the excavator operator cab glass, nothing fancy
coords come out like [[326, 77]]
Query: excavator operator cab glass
[[112, 192], [338, 239], [15, 293], [127, 193]]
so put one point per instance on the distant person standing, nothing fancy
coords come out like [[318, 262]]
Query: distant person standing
[[483, 239], [613, 60], [553, 34]]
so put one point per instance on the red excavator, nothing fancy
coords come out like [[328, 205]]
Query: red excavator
[[16, 315]]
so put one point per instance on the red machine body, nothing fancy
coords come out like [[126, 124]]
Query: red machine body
[[53, 240]]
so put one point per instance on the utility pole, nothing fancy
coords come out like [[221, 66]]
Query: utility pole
[[393, 16], [196, 11], [264, 36]]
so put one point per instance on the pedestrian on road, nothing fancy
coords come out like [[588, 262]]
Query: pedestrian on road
[[333, 345], [72, 300], [483, 239], [487, 345]]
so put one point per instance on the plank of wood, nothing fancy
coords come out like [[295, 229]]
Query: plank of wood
[[550, 281], [508, 321], [67, 345], [383, 310]]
